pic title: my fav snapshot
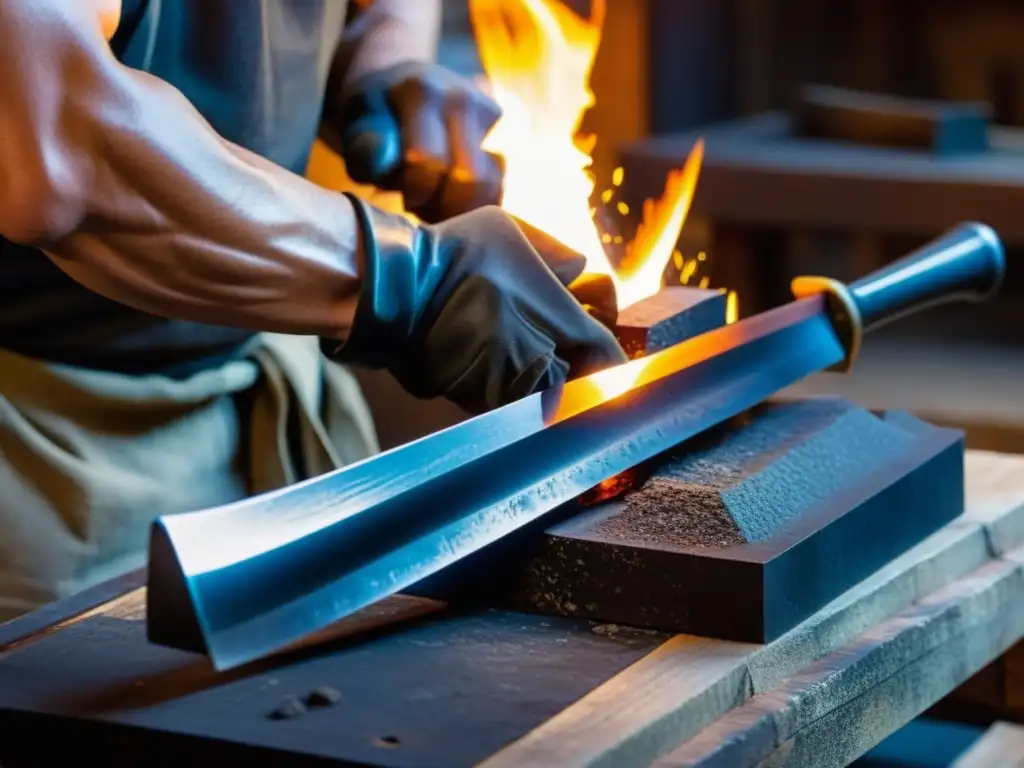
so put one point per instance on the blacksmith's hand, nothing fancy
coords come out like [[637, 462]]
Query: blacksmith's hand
[[469, 310], [418, 129]]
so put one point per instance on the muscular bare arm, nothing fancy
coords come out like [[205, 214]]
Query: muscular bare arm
[[127, 189]]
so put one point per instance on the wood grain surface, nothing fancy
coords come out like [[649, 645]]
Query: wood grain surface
[[861, 667], [952, 571], [1002, 746]]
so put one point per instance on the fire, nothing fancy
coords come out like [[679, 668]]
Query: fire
[[538, 56]]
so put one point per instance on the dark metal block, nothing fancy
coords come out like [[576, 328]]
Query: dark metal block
[[674, 314], [740, 535]]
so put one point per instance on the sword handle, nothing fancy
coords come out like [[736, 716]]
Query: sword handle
[[967, 263]]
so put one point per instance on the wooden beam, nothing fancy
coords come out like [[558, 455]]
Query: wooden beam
[[689, 683], [993, 479], [62, 612], [838, 708], [1002, 745]]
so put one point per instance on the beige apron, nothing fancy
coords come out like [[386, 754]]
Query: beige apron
[[88, 459]]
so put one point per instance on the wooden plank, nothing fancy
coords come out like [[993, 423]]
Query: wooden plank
[[624, 718], [1010, 702], [646, 709], [836, 709], [1002, 746], [994, 480], [639, 722], [937, 561], [55, 615]]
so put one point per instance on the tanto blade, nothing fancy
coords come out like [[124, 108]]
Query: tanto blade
[[245, 580], [264, 573]]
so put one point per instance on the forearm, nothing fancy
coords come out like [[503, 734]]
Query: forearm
[[156, 211], [181, 223]]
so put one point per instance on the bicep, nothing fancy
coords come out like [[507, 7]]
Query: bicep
[[53, 56]]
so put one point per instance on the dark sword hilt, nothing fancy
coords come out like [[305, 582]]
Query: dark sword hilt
[[965, 264]]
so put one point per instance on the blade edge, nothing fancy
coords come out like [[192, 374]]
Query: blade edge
[[783, 358]]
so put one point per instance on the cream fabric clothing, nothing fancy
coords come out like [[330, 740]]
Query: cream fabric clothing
[[88, 459]]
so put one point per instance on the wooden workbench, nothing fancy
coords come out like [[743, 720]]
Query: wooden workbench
[[821, 695]]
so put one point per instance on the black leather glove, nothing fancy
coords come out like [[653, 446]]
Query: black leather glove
[[417, 128], [469, 310]]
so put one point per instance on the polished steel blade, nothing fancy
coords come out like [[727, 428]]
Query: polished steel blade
[[241, 581]]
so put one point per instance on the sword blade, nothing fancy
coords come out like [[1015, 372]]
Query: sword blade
[[245, 580]]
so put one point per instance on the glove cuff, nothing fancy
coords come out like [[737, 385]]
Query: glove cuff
[[388, 302]]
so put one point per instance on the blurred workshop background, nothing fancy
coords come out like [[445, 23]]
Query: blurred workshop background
[[773, 202]]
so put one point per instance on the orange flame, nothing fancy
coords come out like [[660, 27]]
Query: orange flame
[[538, 56]]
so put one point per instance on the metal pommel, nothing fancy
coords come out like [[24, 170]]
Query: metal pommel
[[965, 264], [992, 247]]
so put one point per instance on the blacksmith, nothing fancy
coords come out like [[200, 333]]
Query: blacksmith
[[177, 300]]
